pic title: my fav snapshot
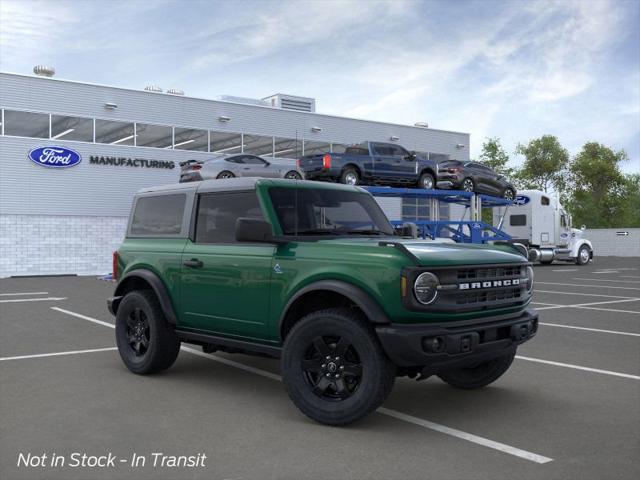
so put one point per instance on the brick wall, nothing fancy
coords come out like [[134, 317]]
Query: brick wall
[[49, 245]]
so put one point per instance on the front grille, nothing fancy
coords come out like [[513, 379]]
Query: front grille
[[495, 272], [474, 288], [492, 296]]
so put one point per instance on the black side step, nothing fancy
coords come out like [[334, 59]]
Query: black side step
[[206, 339]]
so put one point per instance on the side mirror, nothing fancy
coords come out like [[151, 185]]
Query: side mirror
[[408, 229], [253, 230], [266, 164]]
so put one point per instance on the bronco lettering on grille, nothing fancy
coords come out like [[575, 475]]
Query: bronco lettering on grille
[[489, 284]]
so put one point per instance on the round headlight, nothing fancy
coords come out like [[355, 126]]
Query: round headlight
[[529, 278], [425, 288]]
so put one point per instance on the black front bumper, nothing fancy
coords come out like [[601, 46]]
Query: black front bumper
[[442, 346]]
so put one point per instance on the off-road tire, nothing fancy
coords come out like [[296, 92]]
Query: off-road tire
[[347, 174], [163, 344], [424, 178], [377, 373], [480, 375]]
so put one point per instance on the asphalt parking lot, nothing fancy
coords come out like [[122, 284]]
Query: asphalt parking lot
[[568, 408]]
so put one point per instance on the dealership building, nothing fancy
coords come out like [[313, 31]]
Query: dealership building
[[68, 220]]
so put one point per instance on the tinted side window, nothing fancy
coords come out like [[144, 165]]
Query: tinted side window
[[544, 200], [253, 160], [159, 215], [518, 220], [218, 212], [398, 151]]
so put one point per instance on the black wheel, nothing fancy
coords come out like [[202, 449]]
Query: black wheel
[[480, 375], [426, 181], [584, 255], [350, 176], [334, 368], [146, 342], [293, 175], [509, 194], [225, 174], [468, 185]]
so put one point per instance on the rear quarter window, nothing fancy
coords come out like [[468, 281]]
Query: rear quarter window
[[158, 215]]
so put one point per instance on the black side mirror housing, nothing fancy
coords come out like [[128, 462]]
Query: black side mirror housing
[[253, 230], [411, 156], [407, 229]]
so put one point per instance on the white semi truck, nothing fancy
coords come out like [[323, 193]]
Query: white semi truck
[[539, 222]]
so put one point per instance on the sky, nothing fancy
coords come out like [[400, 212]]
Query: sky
[[509, 69]]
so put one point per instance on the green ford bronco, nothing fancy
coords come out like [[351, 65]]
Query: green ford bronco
[[314, 274]]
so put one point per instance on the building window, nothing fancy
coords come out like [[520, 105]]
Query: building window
[[316, 148], [287, 147], [157, 136], [191, 139], [71, 128], [258, 145], [26, 124], [114, 133], [225, 143]]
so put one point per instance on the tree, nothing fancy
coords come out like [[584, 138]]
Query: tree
[[545, 164], [630, 216], [599, 194], [495, 157]]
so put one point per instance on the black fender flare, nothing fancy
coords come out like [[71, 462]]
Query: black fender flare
[[156, 285], [363, 300]]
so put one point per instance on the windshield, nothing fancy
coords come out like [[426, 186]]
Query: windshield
[[318, 211]]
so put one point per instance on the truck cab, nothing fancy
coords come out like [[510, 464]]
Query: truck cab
[[538, 221]]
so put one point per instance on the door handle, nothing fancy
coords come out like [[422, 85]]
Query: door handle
[[193, 263]]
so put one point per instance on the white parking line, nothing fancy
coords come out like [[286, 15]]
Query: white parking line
[[84, 317], [56, 354], [588, 286], [584, 294], [591, 329], [579, 367], [586, 305], [610, 310], [533, 457], [47, 299], [567, 270], [605, 280], [629, 276], [23, 293]]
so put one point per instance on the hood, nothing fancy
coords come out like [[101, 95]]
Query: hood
[[436, 253]]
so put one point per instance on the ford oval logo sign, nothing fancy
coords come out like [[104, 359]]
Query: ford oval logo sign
[[55, 157], [521, 200]]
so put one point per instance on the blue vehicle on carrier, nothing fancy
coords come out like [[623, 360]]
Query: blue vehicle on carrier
[[372, 163]]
